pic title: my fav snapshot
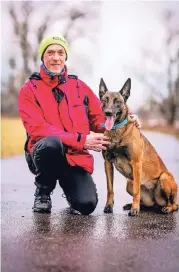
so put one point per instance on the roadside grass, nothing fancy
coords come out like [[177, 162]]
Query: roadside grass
[[162, 129], [13, 137]]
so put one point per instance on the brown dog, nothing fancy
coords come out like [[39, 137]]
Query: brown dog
[[148, 179]]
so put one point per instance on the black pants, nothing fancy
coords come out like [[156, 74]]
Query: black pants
[[49, 158]]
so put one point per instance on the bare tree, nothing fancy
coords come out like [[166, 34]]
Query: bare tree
[[162, 78], [31, 21]]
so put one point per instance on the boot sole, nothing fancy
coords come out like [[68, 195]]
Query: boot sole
[[41, 211]]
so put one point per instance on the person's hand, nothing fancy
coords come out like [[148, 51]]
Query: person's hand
[[134, 118], [96, 142]]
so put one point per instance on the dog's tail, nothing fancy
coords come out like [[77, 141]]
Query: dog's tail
[[170, 188]]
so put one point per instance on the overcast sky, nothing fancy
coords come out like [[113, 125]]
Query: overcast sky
[[125, 27]]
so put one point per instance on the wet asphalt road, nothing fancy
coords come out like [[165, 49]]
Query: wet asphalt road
[[60, 241]]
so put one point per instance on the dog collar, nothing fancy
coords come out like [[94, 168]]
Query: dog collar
[[118, 125]]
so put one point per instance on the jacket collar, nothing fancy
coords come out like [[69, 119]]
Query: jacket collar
[[53, 81]]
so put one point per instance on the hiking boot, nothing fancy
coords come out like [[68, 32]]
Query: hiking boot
[[42, 202]]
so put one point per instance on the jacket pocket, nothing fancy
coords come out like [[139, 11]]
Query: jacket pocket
[[80, 117]]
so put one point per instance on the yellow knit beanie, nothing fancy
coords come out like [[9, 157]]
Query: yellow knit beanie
[[48, 40]]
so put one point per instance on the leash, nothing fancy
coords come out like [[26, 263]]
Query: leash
[[123, 123]]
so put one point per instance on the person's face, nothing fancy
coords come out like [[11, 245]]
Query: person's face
[[54, 58]]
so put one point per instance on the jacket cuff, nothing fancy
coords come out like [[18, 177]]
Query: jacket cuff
[[81, 139]]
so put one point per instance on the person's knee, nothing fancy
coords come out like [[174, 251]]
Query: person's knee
[[88, 207], [85, 206], [48, 143], [47, 152], [47, 146]]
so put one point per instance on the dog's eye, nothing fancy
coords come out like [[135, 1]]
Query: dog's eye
[[116, 101]]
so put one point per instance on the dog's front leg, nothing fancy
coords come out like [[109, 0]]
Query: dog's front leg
[[136, 188], [109, 170]]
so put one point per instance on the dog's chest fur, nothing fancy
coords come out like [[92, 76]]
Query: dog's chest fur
[[119, 154]]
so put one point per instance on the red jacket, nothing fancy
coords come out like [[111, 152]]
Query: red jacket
[[43, 116]]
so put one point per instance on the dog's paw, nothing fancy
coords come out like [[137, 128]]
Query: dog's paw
[[133, 212], [108, 209], [127, 207], [166, 210]]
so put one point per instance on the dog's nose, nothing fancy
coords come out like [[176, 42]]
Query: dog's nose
[[108, 112]]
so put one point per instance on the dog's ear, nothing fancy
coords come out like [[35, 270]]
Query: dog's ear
[[125, 91], [102, 88]]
